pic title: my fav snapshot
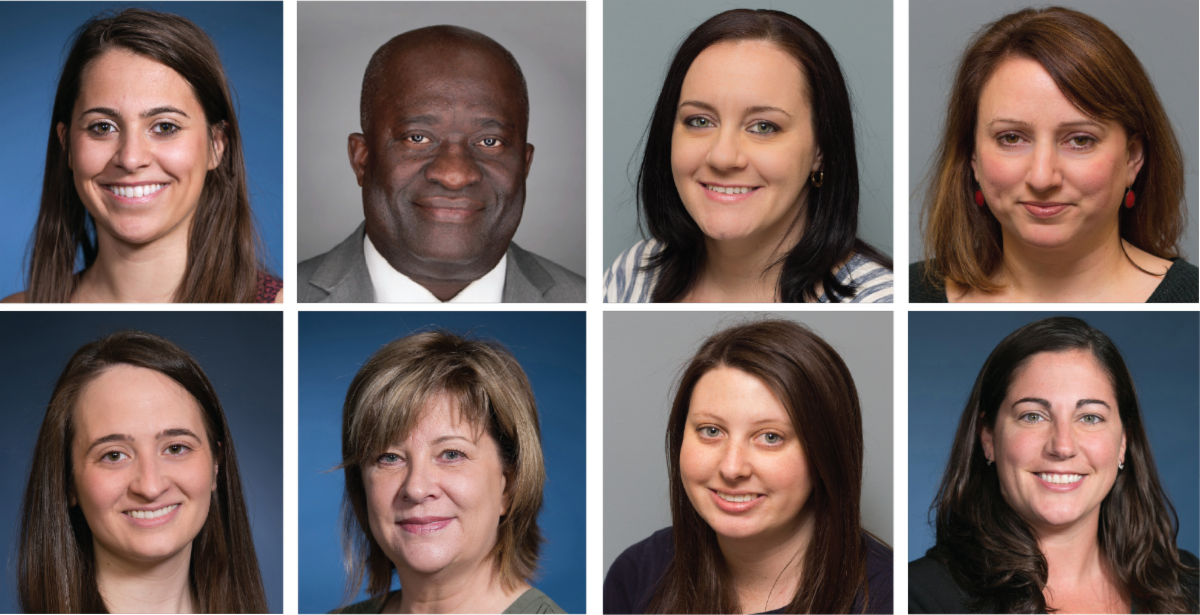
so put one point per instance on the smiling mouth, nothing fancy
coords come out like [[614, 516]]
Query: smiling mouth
[[152, 514], [134, 192], [737, 499], [728, 189], [1060, 479]]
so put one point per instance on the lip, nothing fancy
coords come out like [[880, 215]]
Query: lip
[[735, 507], [1061, 488], [452, 210], [718, 197], [1044, 210], [132, 200], [155, 522], [424, 525]]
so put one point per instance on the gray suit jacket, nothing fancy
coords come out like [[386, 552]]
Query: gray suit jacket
[[340, 276]]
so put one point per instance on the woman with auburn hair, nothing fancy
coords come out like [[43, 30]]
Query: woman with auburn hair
[[134, 502], [442, 453], [765, 456], [145, 182], [1051, 500], [1058, 177], [751, 194]]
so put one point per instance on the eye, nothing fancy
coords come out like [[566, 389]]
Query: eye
[[164, 128], [1009, 138], [417, 139], [708, 431], [453, 455], [490, 142], [114, 456], [1031, 417], [771, 438], [698, 122], [102, 128], [1081, 141], [1091, 419], [178, 449], [389, 459], [763, 128]]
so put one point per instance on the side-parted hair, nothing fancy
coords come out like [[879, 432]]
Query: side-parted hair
[[1100, 75], [815, 386], [56, 567], [993, 553], [830, 217], [222, 262], [386, 401]]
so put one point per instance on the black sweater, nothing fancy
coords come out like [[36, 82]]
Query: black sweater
[[1181, 284]]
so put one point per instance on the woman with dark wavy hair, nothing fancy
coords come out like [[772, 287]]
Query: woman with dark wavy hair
[[750, 192], [1051, 501], [765, 458]]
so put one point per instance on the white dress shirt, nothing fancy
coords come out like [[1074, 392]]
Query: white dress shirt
[[391, 286]]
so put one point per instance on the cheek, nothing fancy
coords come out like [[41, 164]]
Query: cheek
[[998, 173], [687, 155], [1100, 177], [98, 490]]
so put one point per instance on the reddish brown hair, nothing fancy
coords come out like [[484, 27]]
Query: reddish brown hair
[[1102, 77]]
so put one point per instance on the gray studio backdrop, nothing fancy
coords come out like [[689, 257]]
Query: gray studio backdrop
[[1162, 34], [334, 41], [639, 41], [643, 355]]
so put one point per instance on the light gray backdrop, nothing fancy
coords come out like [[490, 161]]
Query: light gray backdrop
[[639, 42], [1163, 34], [334, 41], [644, 353]]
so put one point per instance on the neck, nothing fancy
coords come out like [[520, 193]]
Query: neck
[[1064, 274], [128, 273], [1076, 564], [745, 269], [138, 587], [477, 590], [766, 571]]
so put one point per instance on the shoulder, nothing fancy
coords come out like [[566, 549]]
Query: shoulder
[[533, 601], [269, 288], [1181, 284], [931, 588], [627, 280], [554, 283], [635, 574], [880, 582], [874, 282], [18, 297], [919, 288], [342, 269]]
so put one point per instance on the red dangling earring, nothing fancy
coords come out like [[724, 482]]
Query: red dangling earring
[[1129, 198], [979, 198]]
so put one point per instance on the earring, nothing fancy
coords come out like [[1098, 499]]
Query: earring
[[817, 178], [1129, 197], [989, 460], [979, 198], [1120, 465]]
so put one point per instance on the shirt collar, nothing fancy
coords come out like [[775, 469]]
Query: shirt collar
[[391, 286]]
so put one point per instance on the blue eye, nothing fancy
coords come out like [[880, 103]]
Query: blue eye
[[772, 438], [710, 432], [388, 459], [453, 455]]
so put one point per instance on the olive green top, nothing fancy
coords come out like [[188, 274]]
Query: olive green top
[[532, 601]]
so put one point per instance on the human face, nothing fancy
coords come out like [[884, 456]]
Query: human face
[[1057, 440], [139, 148], [435, 499], [741, 461], [443, 162], [142, 463], [1051, 175], [744, 127]]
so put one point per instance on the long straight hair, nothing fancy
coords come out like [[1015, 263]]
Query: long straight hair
[[56, 567], [831, 214], [1102, 77], [993, 553], [815, 386], [222, 262]]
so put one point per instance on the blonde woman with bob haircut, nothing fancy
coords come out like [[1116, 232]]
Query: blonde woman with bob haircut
[[442, 455], [1058, 177]]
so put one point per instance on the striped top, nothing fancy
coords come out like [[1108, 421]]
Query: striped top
[[627, 282]]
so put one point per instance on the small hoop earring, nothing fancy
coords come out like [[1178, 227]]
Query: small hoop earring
[[817, 178]]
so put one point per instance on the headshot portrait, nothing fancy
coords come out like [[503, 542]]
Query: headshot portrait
[[418, 179], [445, 451], [162, 175], [778, 190], [775, 490], [1069, 483], [1053, 152], [150, 473]]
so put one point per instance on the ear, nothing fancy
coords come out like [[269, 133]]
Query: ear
[[975, 166], [1121, 455], [62, 141], [217, 467], [72, 498], [528, 158], [217, 141], [1137, 157], [506, 499], [818, 160], [357, 148], [985, 439]]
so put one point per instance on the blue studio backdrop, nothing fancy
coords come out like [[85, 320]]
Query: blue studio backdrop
[[550, 346], [946, 350]]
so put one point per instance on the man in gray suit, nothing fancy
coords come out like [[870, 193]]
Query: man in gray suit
[[442, 162]]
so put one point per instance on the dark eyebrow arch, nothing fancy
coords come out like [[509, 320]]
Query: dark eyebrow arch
[[748, 112], [126, 437], [1047, 404], [494, 123], [1033, 400], [1075, 124], [427, 120], [145, 114]]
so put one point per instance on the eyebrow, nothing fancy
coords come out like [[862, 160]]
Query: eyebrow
[[748, 111], [145, 114], [122, 437], [433, 120], [1046, 404], [451, 437], [1075, 124]]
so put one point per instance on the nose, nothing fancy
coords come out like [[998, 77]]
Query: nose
[[1044, 172], [149, 482], [735, 465], [726, 153], [132, 153], [453, 167], [420, 484], [1062, 441]]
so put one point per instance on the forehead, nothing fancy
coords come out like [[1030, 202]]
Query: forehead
[[120, 78], [438, 75], [1021, 89], [134, 400], [1068, 374], [440, 416], [734, 395], [752, 72]]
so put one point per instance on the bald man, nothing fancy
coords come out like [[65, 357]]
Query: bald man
[[442, 161]]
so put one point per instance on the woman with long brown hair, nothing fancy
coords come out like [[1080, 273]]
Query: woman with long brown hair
[[765, 458], [1051, 500], [134, 501], [145, 182], [1058, 177]]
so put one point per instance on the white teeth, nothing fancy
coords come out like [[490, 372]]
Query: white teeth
[[1061, 479], [728, 190], [136, 191], [736, 498], [151, 514]]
